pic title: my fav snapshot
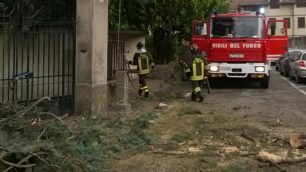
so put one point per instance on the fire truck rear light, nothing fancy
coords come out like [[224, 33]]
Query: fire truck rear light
[[301, 64], [214, 68]]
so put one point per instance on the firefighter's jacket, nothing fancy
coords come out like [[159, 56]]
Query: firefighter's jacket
[[197, 66], [144, 61]]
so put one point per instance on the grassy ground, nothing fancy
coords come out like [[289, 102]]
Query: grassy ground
[[184, 136]]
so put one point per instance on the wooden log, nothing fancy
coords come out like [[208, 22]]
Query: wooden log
[[264, 156], [297, 140]]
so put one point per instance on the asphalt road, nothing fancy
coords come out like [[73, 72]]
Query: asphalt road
[[284, 99]]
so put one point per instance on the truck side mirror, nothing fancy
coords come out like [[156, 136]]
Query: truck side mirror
[[200, 28], [204, 29]]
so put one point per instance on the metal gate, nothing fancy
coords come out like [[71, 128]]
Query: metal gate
[[115, 58], [37, 50]]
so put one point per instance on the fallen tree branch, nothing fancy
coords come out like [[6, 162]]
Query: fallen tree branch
[[276, 139], [276, 160], [247, 137], [66, 159], [3, 119], [34, 105], [275, 116], [43, 160], [292, 161], [170, 152], [64, 116], [221, 155], [43, 132], [17, 165], [58, 118]]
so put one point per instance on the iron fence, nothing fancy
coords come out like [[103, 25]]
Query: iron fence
[[37, 50], [116, 59]]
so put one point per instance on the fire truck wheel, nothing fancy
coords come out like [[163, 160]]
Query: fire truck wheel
[[264, 83]]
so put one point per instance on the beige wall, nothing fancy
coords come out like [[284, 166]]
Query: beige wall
[[284, 10], [292, 12], [130, 42], [299, 12]]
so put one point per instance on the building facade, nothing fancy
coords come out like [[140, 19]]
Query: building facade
[[294, 11]]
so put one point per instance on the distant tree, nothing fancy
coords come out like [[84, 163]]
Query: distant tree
[[39, 10], [166, 20]]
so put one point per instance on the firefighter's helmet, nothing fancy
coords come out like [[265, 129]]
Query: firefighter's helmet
[[194, 47], [139, 45]]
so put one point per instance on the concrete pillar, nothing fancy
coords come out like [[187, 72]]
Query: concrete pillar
[[91, 57], [118, 94]]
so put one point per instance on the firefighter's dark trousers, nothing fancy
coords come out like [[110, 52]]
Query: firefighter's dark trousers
[[197, 91], [143, 87]]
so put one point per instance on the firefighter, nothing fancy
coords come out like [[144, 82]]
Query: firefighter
[[197, 73], [144, 64]]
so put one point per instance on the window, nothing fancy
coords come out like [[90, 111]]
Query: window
[[293, 56], [250, 8], [304, 57], [237, 27], [297, 56], [274, 4], [288, 22], [301, 22], [300, 3], [272, 27], [200, 28]]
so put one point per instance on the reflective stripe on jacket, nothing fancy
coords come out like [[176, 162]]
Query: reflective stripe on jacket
[[143, 64], [197, 69]]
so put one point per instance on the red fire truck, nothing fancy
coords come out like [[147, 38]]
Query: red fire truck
[[241, 45]]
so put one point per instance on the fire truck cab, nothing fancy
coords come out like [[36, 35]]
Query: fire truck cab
[[241, 45]]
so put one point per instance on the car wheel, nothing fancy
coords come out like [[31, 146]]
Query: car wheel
[[264, 83]]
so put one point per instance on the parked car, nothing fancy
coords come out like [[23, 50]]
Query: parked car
[[284, 63], [297, 66], [277, 64]]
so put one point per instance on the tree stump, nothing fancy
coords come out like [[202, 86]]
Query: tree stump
[[297, 140]]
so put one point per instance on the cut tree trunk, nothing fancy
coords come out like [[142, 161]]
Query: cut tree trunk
[[298, 140], [264, 156]]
